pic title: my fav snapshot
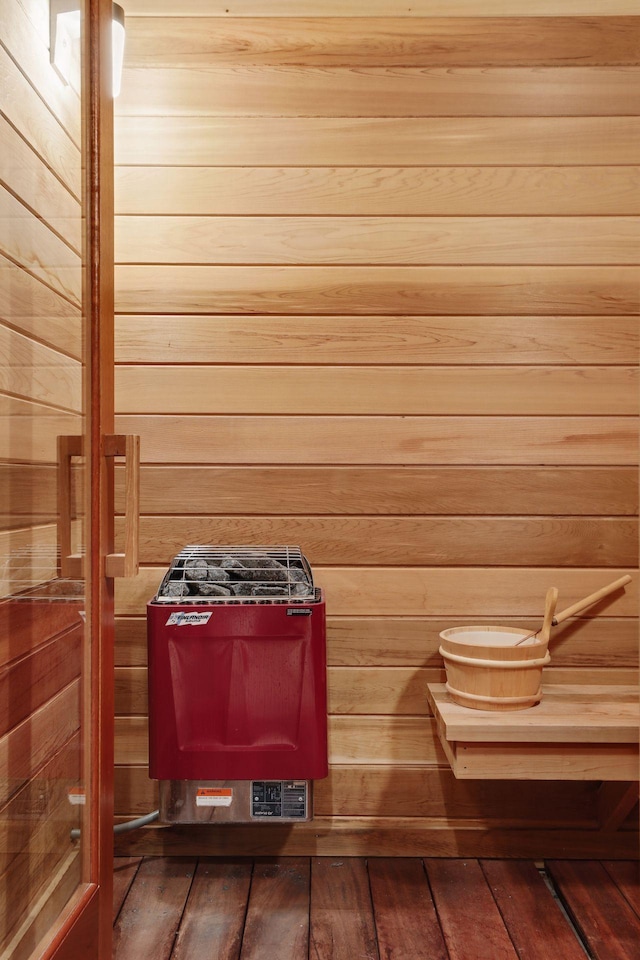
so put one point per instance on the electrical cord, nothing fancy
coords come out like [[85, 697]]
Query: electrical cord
[[126, 826]]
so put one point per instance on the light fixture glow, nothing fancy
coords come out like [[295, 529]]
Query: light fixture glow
[[64, 31], [117, 46]]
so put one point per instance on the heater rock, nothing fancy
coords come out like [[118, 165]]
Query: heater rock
[[230, 563], [176, 588], [242, 589], [213, 590], [196, 570], [268, 591], [216, 573], [261, 568], [300, 586]]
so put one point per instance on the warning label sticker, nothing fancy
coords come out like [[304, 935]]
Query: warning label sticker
[[214, 796], [183, 619], [76, 796]]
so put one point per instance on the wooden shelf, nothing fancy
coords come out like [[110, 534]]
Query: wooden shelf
[[574, 733]]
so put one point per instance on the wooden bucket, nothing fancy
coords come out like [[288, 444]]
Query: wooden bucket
[[487, 671]]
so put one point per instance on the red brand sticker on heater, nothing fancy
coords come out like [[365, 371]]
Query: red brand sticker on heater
[[214, 796]]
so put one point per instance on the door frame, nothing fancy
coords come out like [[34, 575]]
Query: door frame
[[84, 929]]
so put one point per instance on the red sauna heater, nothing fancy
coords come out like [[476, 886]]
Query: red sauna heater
[[237, 686]]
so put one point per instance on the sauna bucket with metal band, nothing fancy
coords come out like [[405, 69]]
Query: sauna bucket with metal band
[[500, 668]]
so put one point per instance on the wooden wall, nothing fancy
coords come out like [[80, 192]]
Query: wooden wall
[[377, 295], [40, 397]]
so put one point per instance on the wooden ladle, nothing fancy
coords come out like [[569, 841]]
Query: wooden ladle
[[551, 620]]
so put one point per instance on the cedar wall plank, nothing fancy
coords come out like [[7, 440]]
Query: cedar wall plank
[[321, 340], [32, 308], [398, 691], [31, 53], [546, 391], [26, 825], [410, 290], [409, 791], [403, 490], [28, 746], [588, 644], [436, 591], [377, 240], [29, 115], [380, 8], [27, 494], [377, 191], [384, 440], [422, 541], [232, 141], [377, 297], [33, 844], [403, 42], [31, 681], [28, 557], [28, 431], [376, 91], [363, 490], [36, 372], [37, 186], [351, 690], [352, 740], [32, 245]]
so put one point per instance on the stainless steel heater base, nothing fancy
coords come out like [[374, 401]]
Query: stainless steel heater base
[[236, 801]]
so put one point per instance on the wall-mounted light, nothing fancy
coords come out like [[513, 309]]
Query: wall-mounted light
[[64, 32]]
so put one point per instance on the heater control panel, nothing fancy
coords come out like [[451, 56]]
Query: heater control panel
[[279, 799]]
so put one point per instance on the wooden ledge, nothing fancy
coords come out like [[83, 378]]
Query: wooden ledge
[[581, 732]]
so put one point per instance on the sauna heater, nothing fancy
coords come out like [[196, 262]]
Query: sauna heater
[[237, 686]]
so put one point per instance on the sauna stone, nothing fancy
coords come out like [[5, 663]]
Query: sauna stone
[[213, 590], [176, 588], [261, 568], [259, 590], [196, 570]]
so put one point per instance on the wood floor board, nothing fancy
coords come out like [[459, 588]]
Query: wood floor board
[[603, 916], [357, 908], [529, 910], [277, 922], [460, 891], [342, 922], [213, 921], [406, 921], [148, 922], [124, 872], [626, 875]]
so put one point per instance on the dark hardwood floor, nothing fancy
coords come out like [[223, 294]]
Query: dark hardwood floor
[[324, 908]]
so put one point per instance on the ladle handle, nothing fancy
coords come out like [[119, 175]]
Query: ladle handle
[[592, 598], [549, 610]]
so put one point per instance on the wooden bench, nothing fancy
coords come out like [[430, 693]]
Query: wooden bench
[[582, 732]]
